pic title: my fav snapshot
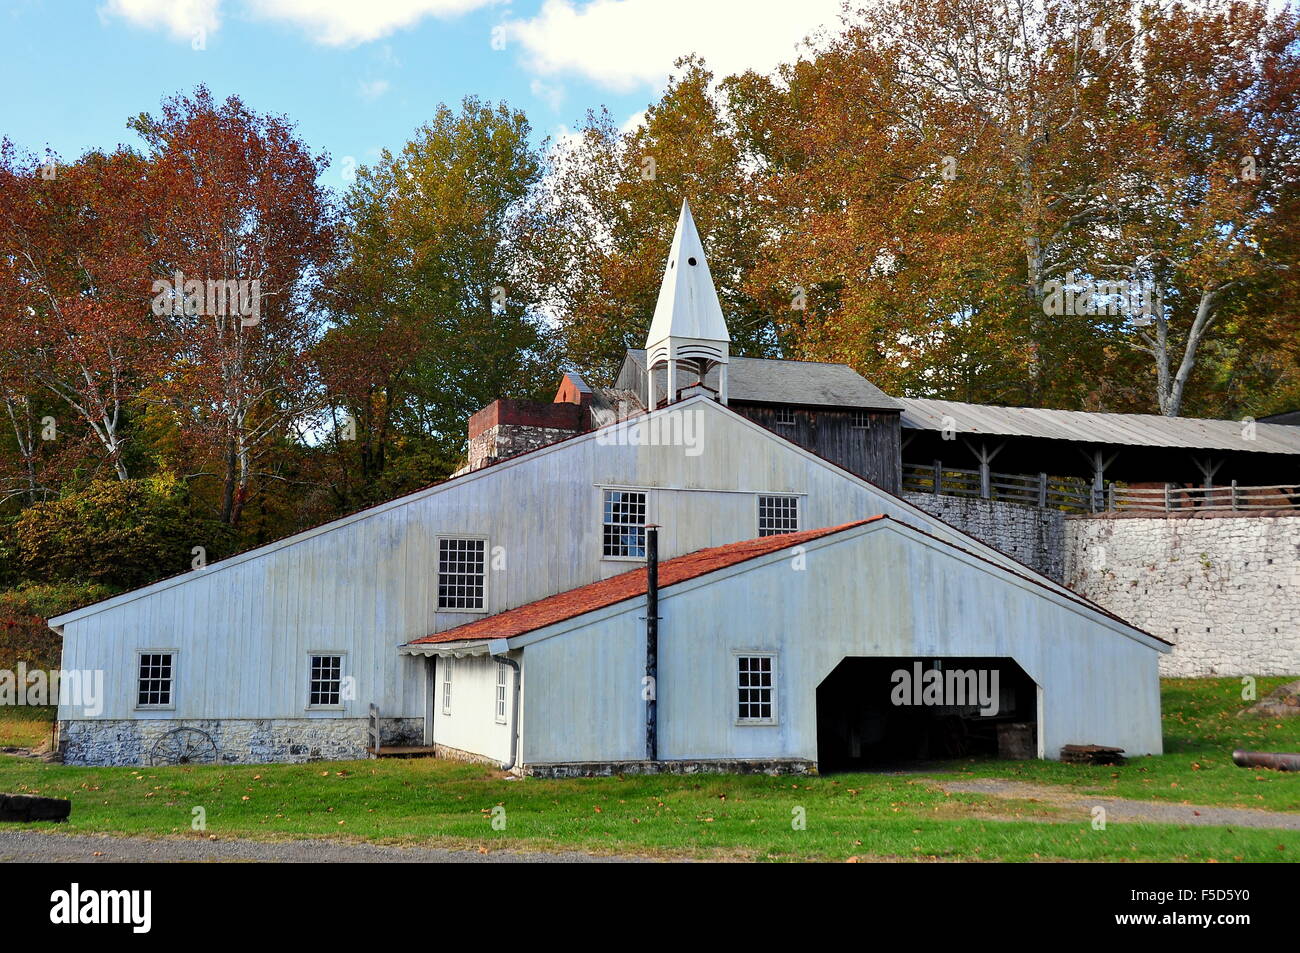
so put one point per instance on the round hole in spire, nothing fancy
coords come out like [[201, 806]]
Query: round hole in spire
[[690, 261]]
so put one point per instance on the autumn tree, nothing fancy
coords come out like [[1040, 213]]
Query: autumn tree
[[610, 201], [1205, 209], [435, 312], [246, 235], [74, 272]]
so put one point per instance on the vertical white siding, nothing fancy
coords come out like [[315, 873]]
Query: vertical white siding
[[878, 591], [366, 584]]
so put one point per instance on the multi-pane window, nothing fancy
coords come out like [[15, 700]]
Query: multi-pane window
[[777, 515], [624, 523], [861, 419], [325, 685], [446, 664], [462, 574], [785, 416], [755, 686], [503, 677], [157, 676]]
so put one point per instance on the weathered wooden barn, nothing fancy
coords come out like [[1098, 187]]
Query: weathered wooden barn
[[503, 614]]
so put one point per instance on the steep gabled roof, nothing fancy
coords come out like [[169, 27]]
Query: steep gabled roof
[[628, 585], [756, 380], [592, 597]]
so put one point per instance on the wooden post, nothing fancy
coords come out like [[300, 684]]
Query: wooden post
[[938, 478], [984, 479], [1233, 496], [1111, 495], [1042, 491], [1167, 506]]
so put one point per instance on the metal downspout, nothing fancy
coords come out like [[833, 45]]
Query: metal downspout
[[514, 717]]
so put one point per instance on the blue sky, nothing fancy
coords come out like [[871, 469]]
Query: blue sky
[[361, 75]]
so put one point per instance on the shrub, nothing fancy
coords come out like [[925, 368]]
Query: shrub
[[121, 534]]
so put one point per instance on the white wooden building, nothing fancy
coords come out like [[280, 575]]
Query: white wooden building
[[280, 653]]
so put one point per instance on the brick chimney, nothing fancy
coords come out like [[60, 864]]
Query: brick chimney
[[507, 428]]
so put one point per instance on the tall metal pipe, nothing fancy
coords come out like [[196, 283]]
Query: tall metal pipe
[[651, 690]]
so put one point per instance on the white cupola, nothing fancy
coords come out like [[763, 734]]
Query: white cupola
[[688, 327]]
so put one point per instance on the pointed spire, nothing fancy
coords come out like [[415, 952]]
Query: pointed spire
[[688, 325], [688, 304]]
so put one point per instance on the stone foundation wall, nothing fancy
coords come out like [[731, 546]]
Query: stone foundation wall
[[1224, 589], [237, 741], [1033, 536]]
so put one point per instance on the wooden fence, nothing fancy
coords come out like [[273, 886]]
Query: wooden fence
[[1077, 495]]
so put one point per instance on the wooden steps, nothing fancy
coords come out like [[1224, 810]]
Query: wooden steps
[[404, 751]]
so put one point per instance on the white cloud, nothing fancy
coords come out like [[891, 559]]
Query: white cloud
[[372, 89], [349, 22], [328, 22], [552, 95], [183, 19], [633, 121], [626, 44]]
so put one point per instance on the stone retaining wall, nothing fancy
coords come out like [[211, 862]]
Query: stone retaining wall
[[1033, 536], [237, 741], [1224, 589]]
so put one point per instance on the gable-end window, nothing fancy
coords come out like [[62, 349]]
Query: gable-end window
[[861, 420], [503, 681], [785, 416], [777, 515], [446, 664], [157, 680], [624, 524], [324, 681], [756, 689], [462, 574]]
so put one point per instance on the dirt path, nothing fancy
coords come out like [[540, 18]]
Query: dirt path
[[1124, 809], [40, 847]]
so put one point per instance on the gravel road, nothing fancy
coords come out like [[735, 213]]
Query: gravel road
[[41, 847], [1128, 810]]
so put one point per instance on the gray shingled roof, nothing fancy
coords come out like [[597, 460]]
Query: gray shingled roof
[[1134, 430], [761, 381]]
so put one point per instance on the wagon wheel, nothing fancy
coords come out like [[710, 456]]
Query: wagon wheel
[[184, 746]]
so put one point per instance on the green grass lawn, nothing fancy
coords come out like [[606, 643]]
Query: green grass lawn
[[1201, 729], [443, 803], [22, 727]]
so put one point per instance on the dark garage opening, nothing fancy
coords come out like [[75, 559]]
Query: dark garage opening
[[875, 713]]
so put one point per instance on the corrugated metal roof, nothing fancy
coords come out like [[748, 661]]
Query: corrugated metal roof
[[762, 381], [1132, 430]]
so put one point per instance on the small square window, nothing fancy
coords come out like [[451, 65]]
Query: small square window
[[157, 679], [755, 689], [777, 515], [624, 524], [325, 689], [785, 416], [462, 574], [861, 420]]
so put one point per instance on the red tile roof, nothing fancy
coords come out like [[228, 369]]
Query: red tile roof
[[628, 585]]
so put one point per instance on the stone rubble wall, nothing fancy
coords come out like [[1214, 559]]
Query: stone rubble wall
[[238, 741], [1224, 589], [509, 440], [1033, 536]]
